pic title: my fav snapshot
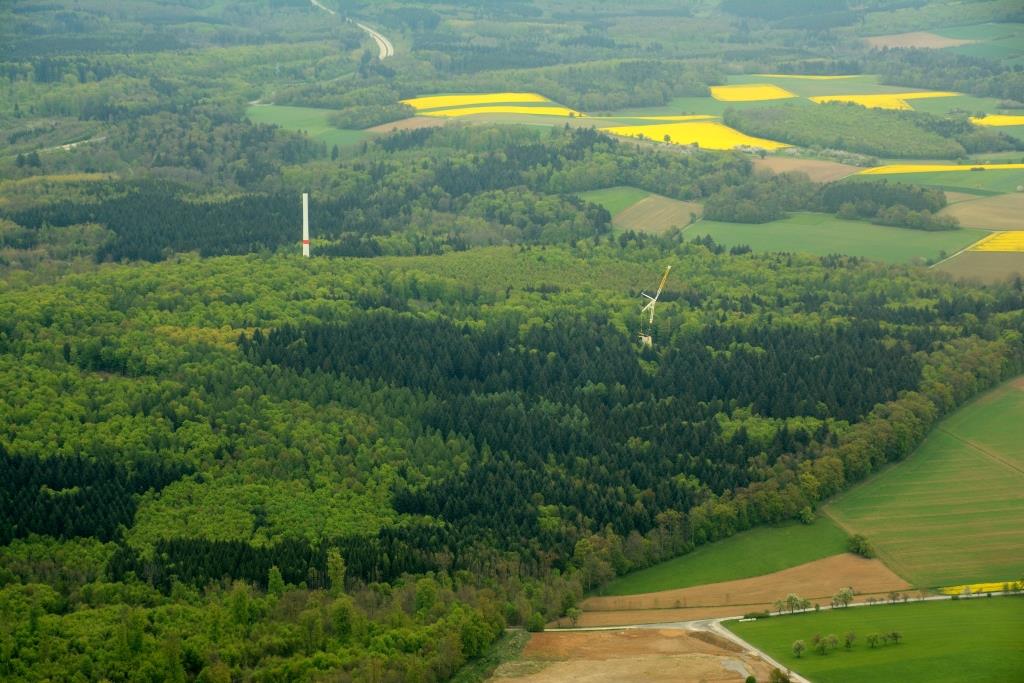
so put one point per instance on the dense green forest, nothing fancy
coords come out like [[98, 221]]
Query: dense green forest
[[475, 437], [433, 190], [221, 462]]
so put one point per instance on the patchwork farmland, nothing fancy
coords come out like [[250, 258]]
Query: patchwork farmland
[[751, 553], [999, 212], [953, 512], [635, 209]]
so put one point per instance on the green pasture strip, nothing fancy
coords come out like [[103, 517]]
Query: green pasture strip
[[314, 122], [824, 234], [942, 642], [751, 553], [615, 199]]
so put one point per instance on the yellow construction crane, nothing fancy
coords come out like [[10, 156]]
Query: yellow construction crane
[[645, 332]]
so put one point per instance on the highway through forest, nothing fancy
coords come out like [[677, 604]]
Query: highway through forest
[[384, 47]]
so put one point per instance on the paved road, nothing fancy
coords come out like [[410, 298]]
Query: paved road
[[384, 46]]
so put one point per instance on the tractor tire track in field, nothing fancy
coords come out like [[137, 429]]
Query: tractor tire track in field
[[990, 454]]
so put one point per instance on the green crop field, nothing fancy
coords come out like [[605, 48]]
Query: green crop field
[[615, 199], [968, 103], [700, 105], [1015, 131], [312, 121], [865, 84], [943, 642], [823, 234], [1002, 41], [752, 553], [987, 182], [952, 512]]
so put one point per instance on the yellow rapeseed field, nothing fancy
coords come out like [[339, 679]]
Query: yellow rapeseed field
[[999, 120], [681, 117], [1008, 240], [503, 109], [752, 92], [438, 101], [990, 587], [707, 135], [932, 168], [883, 101], [805, 77]]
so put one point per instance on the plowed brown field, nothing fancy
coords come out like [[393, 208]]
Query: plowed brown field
[[985, 266], [660, 656], [817, 581], [915, 39], [656, 214], [818, 170], [1002, 212]]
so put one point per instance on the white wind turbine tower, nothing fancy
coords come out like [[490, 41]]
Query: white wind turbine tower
[[305, 224], [645, 333]]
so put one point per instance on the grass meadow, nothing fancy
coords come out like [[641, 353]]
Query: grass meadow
[[988, 182], [312, 121], [615, 199], [999, 41], [952, 512], [952, 641], [824, 234], [751, 553]]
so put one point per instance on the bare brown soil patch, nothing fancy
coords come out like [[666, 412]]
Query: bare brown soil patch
[[985, 266], [716, 640], [818, 170], [657, 655], [413, 123], [915, 39], [1002, 212], [656, 214], [659, 616], [673, 615], [819, 580]]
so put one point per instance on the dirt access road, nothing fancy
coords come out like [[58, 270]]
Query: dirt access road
[[384, 47]]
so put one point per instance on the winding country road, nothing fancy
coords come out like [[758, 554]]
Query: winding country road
[[384, 46]]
